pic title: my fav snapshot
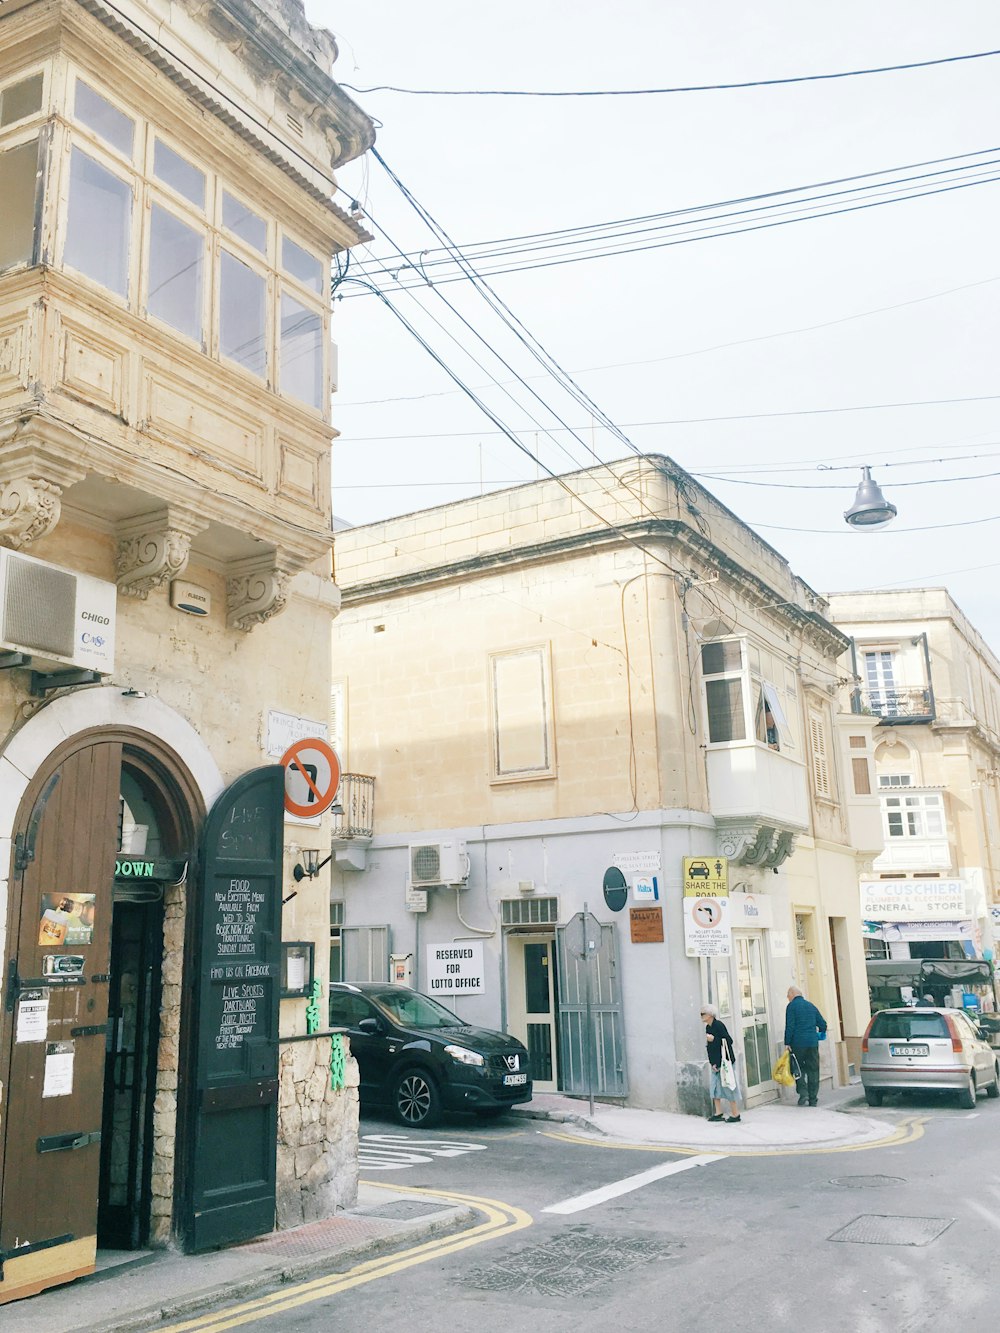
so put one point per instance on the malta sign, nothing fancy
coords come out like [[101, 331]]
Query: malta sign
[[706, 876], [312, 776], [707, 928], [455, 969]]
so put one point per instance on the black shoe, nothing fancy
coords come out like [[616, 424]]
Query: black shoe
[[715, 1118], [802, 1102], [812, 1103], [734, 1120]]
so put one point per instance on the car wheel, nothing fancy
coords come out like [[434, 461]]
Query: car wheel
[[967, 1096], [415, 1098], [873, 1096], [994, 1088]]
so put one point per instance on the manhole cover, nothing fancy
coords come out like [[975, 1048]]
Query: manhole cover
[[571, 1263], [870, 1229], [867, 1182], [403, 1210]]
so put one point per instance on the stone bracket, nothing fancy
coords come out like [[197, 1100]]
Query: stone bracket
[[153, 549], [256, 590], [29, 508], [756, 843]]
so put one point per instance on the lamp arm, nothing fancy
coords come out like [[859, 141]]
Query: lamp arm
[[299, 873]]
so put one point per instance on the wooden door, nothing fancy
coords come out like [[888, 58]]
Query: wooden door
[[233, 1111], [55, 1021]]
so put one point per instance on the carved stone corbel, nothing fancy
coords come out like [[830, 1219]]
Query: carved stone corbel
[[153, 549], [781, 849], [29, 508], [737, 840], [256, 590]]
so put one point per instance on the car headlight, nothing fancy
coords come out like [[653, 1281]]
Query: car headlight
[[464, 1056]]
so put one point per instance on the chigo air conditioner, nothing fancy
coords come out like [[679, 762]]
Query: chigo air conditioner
[[55, 616], [438, 863]]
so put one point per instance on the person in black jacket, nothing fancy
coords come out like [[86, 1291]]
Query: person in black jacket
[[717, 1039], [805, 1028]]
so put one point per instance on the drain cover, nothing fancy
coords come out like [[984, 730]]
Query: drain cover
[[403, 1210], [871, 1229], [867, 1182], [570, 1263]]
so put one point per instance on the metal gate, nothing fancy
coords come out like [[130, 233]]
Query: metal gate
[[591, 1056]]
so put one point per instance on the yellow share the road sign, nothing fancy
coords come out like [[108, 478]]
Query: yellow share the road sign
[[706, 877]]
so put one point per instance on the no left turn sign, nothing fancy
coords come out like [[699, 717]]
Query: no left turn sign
[[312, 776]]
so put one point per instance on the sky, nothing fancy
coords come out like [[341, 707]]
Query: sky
[[771, 364]]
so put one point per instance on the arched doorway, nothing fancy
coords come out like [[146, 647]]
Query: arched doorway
[[93, 1033]]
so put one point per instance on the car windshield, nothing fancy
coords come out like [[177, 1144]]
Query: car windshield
[[412, 1010], [906, 1026]]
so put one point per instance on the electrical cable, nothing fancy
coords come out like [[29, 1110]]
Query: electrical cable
[[684, 88]]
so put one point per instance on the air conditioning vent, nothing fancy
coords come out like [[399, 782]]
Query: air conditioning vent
[[55, 616], [438, 863]]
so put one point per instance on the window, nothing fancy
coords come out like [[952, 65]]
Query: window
[[99, 223], [521, 696], [860, 769], [301, 350], [18, 169], [904, 1027], [18, 101], [106, 121], [243, 222], [176, 264], [303, 266], [736, 672], [336, 925], [242, 314], [918, 815], [819, 752], [895, 780], [347, 1009], [181, 175]]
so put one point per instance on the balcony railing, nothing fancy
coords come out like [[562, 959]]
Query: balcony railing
[[357, 798], [898, 705]]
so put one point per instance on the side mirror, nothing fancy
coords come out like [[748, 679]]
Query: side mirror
[[983, 1034], [370, 1025]]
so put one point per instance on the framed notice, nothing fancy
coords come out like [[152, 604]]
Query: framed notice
[[646, 925]]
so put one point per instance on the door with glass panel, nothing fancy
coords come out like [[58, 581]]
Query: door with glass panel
[[755, 1022], [531, 1003]]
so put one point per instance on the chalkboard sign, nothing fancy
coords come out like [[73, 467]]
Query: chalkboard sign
[[231, 1194]]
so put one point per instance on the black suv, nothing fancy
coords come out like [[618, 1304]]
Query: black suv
[[420, 1058]]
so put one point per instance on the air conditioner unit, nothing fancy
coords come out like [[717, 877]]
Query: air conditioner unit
[[438, 863], [57, 617]]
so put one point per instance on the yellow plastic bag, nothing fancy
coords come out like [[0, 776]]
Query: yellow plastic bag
[[782, 1071]]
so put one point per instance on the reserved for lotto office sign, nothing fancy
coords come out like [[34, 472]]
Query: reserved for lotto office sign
[[455, 969]]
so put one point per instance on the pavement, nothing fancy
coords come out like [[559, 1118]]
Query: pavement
[[134, 1291]]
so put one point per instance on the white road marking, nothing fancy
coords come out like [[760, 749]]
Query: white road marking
[[395, 1152], [630, 1183], [971, 1116]]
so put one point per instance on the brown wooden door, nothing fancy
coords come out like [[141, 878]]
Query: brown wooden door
[[56, 1015]]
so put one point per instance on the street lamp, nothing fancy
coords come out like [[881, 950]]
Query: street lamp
[[870, 508]]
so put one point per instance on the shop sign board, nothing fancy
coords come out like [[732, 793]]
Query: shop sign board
[[646, 925], [455, 969], [707, 927], [706, 876], [645, 889], [751, 911], [913, 899]]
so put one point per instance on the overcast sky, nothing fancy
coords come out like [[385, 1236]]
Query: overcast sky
[[726, 354]]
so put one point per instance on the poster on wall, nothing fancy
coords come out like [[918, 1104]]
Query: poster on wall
[[66, 918], [707, 928], [455, 969]]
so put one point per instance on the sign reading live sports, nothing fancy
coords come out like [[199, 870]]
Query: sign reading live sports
[[455, 969], [913, 899]]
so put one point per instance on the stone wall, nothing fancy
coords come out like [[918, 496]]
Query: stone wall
[[167, 1067], [317, 1134]]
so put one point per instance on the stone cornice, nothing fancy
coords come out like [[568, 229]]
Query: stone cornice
[[710, 557]]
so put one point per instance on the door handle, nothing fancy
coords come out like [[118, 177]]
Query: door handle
[[62, 1142]]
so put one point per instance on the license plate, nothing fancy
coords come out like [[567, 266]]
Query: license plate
[[514, 1080], [907, 1050]]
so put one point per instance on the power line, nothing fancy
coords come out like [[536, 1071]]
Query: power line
[[683, 88]]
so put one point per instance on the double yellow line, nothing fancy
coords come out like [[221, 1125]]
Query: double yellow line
[[501, 1219]]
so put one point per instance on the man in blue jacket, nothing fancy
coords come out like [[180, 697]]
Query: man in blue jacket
[[805, 1027]]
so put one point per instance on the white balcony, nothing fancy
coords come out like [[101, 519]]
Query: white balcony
[[755, 783], [908, 854]]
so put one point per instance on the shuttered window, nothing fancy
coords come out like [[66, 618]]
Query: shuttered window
[[820, 752]]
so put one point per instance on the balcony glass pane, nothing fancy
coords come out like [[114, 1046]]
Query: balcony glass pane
[[98, 224], [717, 658], [302, 265], [180, 174], [176, 264], [97, 113], [301, 352], [243, 222], [726, 721], [21, 100], [243, 300], [18, 167]]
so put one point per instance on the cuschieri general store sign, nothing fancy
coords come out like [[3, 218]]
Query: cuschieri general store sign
[[913, 899]]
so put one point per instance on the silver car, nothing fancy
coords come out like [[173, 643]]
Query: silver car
[[927, 1050]]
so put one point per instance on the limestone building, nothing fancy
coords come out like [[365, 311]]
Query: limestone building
[[602, 679], [932, 684], [166, 237]]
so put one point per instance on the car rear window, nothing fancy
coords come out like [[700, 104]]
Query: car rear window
[[903, 1026]]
